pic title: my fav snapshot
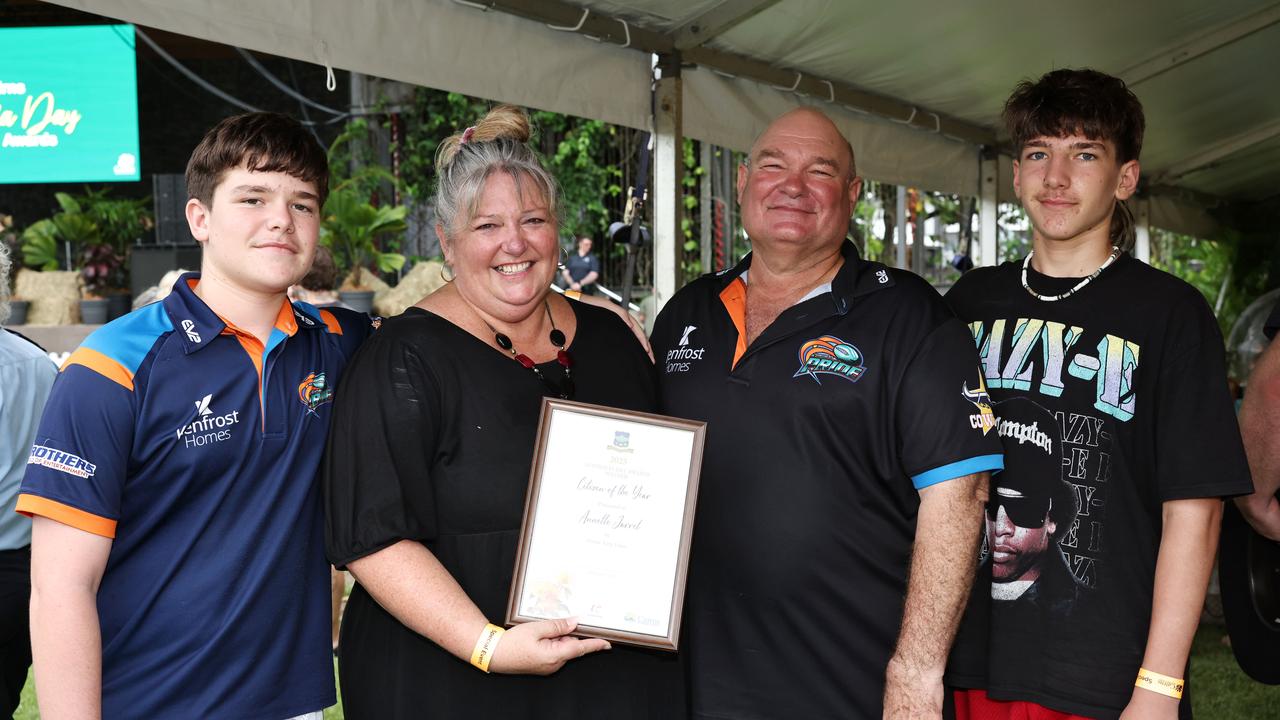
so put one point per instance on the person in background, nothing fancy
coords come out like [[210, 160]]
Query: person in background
[[26, 376], [582, 268], [1260, 426], [318, 287]]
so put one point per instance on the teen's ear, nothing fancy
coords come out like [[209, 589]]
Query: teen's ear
[[1017, 182], [198, 220], [1129, 173]]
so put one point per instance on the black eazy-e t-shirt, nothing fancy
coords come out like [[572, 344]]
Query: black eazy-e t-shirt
[[1125, 385], [818, 438]]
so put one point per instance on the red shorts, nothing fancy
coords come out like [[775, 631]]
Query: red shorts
[[975, 705]]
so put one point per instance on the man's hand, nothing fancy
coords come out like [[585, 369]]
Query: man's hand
[[636, 328], [1147, 705], [911, 693], [943, 560], [575, 286]]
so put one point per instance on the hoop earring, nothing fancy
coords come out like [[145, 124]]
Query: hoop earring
[[564, 258], [452, 274]]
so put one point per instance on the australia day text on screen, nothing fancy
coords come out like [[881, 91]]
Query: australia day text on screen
[[68, 104]]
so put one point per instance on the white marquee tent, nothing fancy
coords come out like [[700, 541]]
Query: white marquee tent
[[916, 85]]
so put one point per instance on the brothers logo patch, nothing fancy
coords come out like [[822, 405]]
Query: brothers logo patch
[[314, 391], [66, 462], [829, 355]]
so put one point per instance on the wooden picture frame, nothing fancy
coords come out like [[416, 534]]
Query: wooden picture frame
[[608, 523]]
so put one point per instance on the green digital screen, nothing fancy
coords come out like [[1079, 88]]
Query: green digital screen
[[68, 104]]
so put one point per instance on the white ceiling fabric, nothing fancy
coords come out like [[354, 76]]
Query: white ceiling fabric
[[1210, 118]]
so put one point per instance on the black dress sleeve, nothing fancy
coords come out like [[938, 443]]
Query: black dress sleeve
[[376, 471]]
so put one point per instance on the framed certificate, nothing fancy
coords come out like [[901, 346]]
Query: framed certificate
[[607, 522]]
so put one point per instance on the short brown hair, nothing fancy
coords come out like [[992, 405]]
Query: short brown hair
[[323, 275], [1076, 102], [259, 142]]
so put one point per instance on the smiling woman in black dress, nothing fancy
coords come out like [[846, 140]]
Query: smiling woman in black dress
[[429, 457]]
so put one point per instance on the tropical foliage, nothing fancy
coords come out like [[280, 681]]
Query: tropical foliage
[[361, 232]]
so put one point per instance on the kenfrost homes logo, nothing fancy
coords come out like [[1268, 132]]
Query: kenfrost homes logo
[[985, 419], [189, 328], [55, 459], [208, 427], [829, 355], [679, 357]]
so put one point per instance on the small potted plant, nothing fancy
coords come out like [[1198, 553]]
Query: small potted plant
[[68, 235], [355, 225], [353, 229], [101, 267], [121, 222]]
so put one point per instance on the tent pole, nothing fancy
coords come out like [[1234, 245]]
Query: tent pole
[[1142, 230], [988, 176], [900, 229], [704, 205], [668, 166]]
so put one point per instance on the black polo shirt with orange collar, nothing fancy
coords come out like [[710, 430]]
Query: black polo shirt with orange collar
[[819, 436]]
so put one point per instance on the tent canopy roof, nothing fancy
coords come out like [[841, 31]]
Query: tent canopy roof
[[918, 85]]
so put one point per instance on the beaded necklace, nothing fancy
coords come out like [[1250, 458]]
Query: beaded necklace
[[1115, 253], [565, 388]]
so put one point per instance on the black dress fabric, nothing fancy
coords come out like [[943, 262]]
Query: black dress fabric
[[432, 441]]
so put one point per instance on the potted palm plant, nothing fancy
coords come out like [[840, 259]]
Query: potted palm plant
[[355, 227]]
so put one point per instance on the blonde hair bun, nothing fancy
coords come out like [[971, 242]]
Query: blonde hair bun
[[504, 122]]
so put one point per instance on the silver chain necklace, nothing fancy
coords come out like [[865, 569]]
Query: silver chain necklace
[[1115, 253]]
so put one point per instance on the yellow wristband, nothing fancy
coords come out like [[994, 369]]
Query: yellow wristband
[[485, 645], [1155, 682], [573, 294]]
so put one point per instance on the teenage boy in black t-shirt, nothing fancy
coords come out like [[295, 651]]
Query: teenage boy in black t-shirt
[[1129, 362]]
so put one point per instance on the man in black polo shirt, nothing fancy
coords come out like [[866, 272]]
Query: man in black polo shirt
[[844, 469]]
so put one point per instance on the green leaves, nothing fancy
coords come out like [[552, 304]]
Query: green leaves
[[352, 228], [40, 246]]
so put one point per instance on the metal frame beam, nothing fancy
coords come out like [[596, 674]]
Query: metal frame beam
[[560, 15], [718, 20], [1142, 229], [1201, 44], [668, 175], [1221, 150], [988, 207]]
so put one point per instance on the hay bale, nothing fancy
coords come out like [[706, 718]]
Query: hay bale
[[419, 282], [362, 279], [54, 296]]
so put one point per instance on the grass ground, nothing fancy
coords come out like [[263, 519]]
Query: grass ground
[[1222, 691]]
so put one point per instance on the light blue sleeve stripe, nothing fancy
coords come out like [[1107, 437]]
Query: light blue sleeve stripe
[[981, 463], [128, 339]]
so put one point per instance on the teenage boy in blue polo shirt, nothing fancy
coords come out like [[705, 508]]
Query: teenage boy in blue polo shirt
[[177, 553]]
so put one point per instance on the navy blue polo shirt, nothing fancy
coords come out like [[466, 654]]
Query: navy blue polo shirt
[[820, 435], [195, 447]]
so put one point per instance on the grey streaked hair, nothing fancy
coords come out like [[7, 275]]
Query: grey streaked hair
[[464, 162], [5, 266]]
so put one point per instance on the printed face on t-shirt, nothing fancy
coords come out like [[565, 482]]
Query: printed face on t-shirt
[[1018, 534]]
